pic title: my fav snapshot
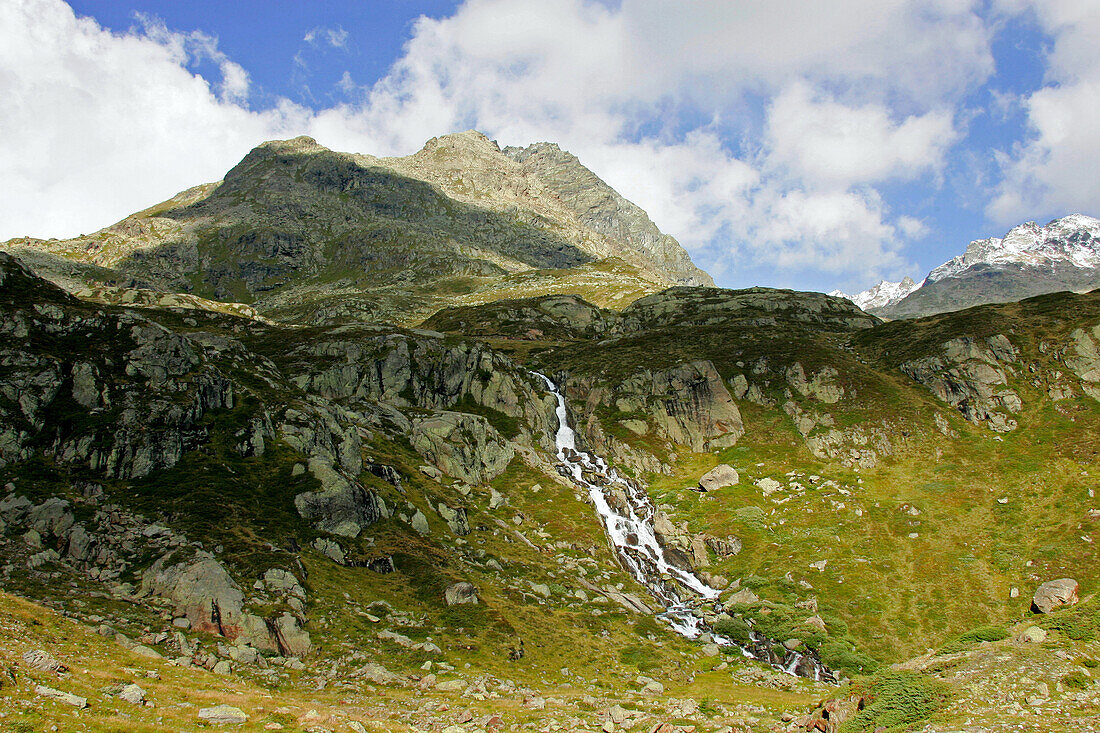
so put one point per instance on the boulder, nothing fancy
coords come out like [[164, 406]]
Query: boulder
[[455, 517], [462, 445], [1033, 635], [42, 660], [1054, 593], [460, 593], [201, 590], [65, 697], [132, 694], [223, 715], [743, 596], [376, 674], [330, 549], [719, 477], [342, 506], [292, 639]]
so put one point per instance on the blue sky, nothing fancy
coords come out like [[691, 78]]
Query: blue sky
[[784, 143]]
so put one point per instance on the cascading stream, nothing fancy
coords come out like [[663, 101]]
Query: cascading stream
[[627, 514]]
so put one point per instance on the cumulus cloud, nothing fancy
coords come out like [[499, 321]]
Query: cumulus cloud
[[826, 142], [1053, 172], [658, 101]]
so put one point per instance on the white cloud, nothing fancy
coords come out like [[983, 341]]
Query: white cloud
[[335, 37], [582, 73], [1053, 172], [98, 125], [825, 142]]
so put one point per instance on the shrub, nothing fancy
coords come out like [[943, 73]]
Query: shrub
[[1076, 681], [735, 628], [974, 636], [844, 657], [896, 699], [1080, 623]]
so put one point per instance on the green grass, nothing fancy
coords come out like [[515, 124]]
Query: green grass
[[897, 700]]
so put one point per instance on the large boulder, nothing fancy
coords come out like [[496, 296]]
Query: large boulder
[[719, 477], [461, 445], [343, 506], [1054, 593], [200, 589], [460, 593]]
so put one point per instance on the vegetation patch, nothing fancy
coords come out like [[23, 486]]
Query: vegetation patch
[[974, 636], [894, 700]]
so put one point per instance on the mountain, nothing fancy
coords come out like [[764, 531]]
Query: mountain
[[306, 234], [883, 294], [381, 524], [1029, 260]]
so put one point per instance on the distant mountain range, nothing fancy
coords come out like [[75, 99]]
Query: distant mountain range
[[1029, 260]]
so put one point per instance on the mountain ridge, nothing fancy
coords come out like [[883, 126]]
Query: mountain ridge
[[301, 232], [1028, 260]]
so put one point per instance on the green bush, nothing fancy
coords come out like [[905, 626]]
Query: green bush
[[843, 656], [1076, 681], [1080, 623], [896, 699], [751, 515], [735, 628], [974, 636]]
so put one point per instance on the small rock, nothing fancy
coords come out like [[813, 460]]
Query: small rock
[[132, 694], [223, 715], [42, 660], [743, 596], [65, 697], [222, 667], [460, 593], [1033, 635]]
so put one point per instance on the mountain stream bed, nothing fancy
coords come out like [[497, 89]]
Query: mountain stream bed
[[627, 514]]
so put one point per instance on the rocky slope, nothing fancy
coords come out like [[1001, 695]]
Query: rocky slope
[[306, 234], [1029, 260], [312, 509]]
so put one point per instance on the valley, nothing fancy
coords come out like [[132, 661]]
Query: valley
[[462, 442]]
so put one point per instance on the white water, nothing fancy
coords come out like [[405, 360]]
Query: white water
[[629, 526]]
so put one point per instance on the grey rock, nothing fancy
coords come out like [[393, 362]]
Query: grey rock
[[330, 549], [1054, 593], [462, 445], [59, 696], [43, 660], [223, 715], [460, 593], [719, 477], [455, 517], [292, 639], [743, 596], [132, 694]]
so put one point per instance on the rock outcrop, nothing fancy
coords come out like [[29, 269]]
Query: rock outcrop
[[972, 376]]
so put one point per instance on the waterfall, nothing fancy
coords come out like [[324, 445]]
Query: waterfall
[[627, 515]]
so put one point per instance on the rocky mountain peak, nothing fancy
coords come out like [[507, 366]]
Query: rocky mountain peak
[[1073, 240], [464, 145], [883, 294]]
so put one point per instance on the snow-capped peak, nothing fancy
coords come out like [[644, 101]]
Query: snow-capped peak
[[881, 295], [1073, 240]]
